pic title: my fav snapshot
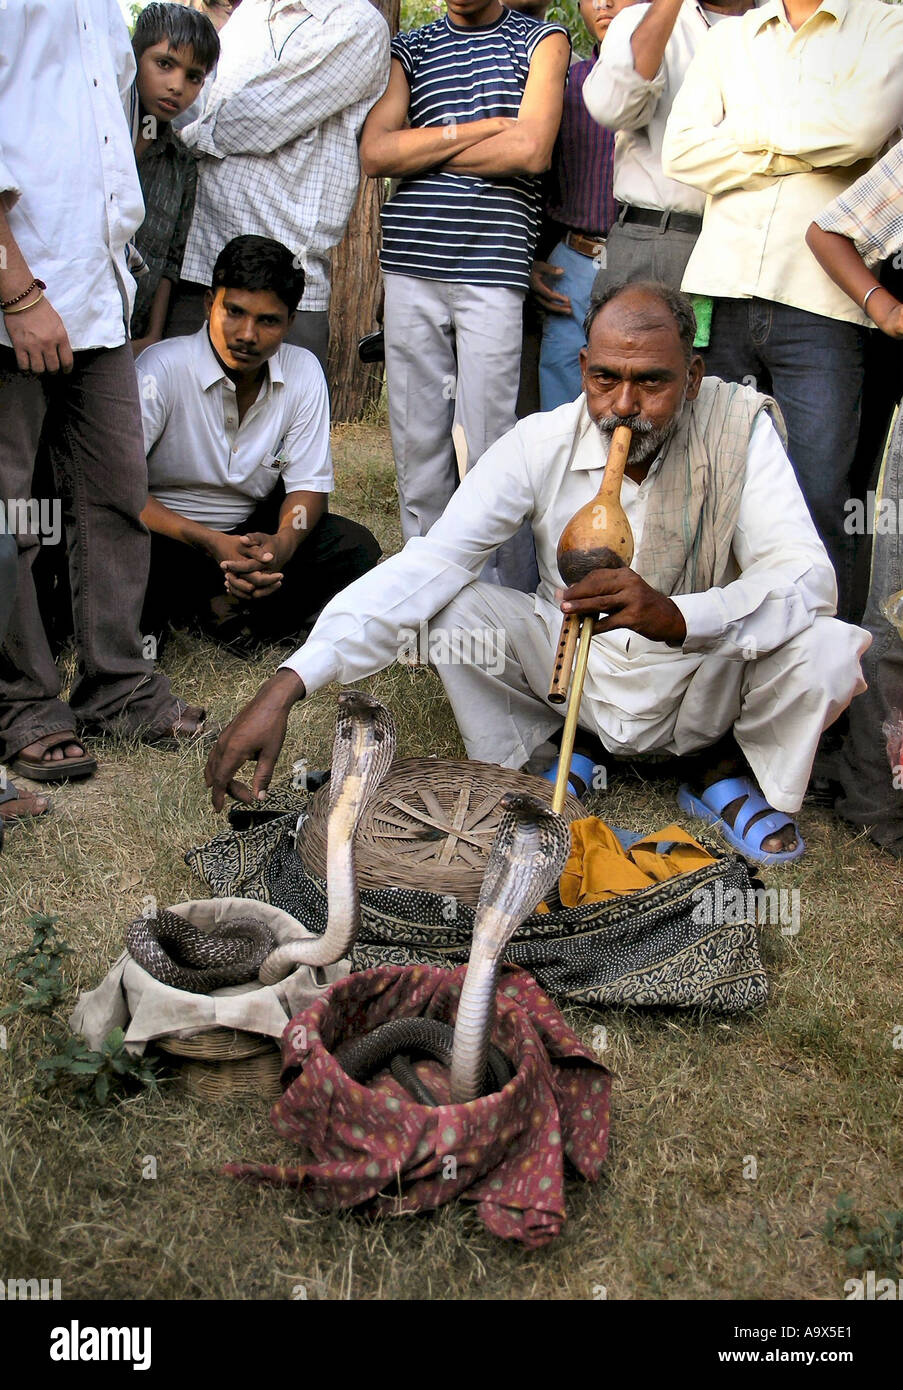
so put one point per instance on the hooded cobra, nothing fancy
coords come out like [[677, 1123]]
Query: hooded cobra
[[526, 860], [527, 857], [362, 752]]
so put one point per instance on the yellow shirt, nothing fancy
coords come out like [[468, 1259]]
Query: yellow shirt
[[772, 124]]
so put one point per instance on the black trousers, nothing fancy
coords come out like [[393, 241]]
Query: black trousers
[[183, 581]]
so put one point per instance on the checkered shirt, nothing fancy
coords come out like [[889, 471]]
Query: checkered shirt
[[870, 212], [278, 140]]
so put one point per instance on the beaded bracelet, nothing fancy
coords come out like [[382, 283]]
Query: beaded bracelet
[[22, 307], [36, 284]]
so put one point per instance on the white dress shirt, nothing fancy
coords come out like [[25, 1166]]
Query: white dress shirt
[[773, 124], [542, 471], [638, 108], [201, 462], [278, 136], [68, 179]]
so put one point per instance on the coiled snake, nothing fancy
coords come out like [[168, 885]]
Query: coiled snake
[[179, 954], [526, 860]]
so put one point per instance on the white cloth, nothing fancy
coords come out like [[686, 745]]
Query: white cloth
[[648, 698], [278, 136], [638, 108], [68, 179], [201, 462], [542, 471], [130, 998], [773, 124]]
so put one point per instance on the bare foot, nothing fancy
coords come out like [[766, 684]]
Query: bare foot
[[782, 842], [23, 805]]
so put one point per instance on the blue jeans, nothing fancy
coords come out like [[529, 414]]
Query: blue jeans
[[562, 334], [814, 367]]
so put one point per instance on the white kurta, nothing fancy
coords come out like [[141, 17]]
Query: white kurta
[[636, 690]]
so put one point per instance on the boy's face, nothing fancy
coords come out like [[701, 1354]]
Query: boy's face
[[246, 327], [598, 14], [169, 79]]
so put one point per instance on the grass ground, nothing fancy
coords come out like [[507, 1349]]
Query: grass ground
[[810, 1089]]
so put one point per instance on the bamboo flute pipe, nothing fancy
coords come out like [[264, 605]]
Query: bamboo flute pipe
[[598, 536]]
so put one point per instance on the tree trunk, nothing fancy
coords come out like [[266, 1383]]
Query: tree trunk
[[356, 301]]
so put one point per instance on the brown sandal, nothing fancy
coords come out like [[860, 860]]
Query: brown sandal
[[40, 769]]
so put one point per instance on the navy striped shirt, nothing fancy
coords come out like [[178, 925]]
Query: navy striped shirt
[[447, 226]]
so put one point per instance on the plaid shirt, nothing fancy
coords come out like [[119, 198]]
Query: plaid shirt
[[168, 177], [870, 211], [278, 138]]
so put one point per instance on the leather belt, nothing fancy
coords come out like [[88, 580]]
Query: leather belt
[[649, 217], [585, 244]]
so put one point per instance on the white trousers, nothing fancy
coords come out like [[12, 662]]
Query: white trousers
[[452, 357], [493, 649]]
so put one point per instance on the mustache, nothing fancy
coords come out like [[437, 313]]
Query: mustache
[[607, 424]]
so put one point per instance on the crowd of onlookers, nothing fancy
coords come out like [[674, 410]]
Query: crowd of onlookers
[[167, 235]]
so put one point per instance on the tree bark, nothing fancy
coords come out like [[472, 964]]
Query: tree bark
[[356, 301]]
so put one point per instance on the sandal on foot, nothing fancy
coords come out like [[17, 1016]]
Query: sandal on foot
[[746, 839], [17, 804], [42, 769], [580, 779]]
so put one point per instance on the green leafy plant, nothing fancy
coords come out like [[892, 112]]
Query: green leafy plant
[[879, 1247], [37, 969], [99, 1076]]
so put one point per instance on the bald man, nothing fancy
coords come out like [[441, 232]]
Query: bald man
[[720, 637]]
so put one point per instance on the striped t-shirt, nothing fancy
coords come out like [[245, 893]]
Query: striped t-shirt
[[447, 226]]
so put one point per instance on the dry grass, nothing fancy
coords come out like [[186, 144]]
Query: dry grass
[[810, 1088]]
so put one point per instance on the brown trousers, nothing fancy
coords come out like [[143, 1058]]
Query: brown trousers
[[88, 423]]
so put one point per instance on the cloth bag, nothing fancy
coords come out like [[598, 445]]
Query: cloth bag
[[664, 945], [373, 1145], [145, 1008]]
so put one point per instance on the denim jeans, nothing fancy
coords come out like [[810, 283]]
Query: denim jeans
[[562, 334], [89, 424], [814, 368], [863, 768]]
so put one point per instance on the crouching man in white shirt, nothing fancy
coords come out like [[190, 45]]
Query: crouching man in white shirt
[[236, 427], [720, 637]]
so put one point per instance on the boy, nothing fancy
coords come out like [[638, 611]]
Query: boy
[[236, 427], [467, 124], [175, 47]]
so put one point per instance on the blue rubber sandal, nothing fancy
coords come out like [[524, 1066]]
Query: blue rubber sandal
[[710, 808], [585, 769]]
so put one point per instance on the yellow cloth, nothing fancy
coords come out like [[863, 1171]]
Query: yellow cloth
[[773, 125], [599, 868]]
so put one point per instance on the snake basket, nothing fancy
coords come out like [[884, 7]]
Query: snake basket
[[430, 825], [225, 1062]]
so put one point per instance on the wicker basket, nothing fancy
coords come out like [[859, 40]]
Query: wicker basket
[[225, 1062], [430, 825]]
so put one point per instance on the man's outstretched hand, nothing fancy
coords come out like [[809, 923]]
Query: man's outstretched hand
[[256, 734], [626, 601]]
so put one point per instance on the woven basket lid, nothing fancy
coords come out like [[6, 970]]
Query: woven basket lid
[[430, 825]]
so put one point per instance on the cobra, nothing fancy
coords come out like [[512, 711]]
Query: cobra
[[526, 860]]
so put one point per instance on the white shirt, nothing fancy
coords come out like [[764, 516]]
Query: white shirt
[[278, 137], [542, 471], [773, 124], [201, 462], [67, 170], [638, 108]]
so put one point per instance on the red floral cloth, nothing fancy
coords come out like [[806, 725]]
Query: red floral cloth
[[374, 1144]]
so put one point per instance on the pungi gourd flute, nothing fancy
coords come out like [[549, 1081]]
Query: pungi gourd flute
[[598, 536]]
